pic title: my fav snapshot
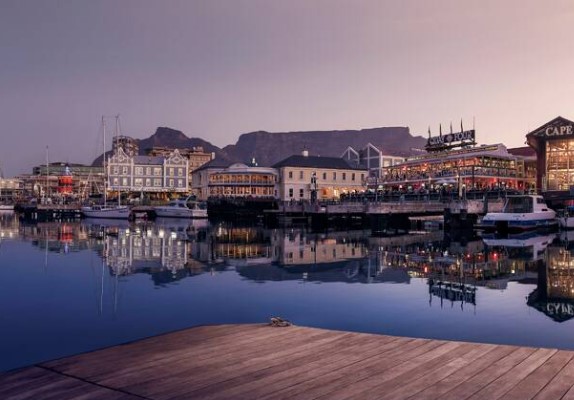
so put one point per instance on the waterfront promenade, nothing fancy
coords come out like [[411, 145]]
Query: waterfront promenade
[[253, 361]]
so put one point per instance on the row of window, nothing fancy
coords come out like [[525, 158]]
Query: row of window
[[324, 176], [148, 182], [157, 171]]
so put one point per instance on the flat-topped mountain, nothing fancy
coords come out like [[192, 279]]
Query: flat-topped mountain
[[269, 148]]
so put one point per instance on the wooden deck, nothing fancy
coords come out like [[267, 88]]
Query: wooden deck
[[264, 362]]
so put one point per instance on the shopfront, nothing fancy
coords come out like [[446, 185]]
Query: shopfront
[[554, 146]]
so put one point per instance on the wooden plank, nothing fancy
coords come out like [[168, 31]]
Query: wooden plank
[[536, 381], [489, 374], [100, 359], [559, 385], [429, 373], [343, 376], [48, 385], [192, 368], [447, 384], [506, 382], [209, 353], [412, 369], [288, 352], [300, 369]]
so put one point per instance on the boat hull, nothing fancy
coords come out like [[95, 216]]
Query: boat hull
[[172, 212], [106, 212]]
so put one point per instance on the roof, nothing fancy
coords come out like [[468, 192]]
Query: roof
[[148, 160], [217, 162], [315, 162], [525, 151]]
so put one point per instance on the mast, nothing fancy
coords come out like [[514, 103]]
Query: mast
[[104, 162]]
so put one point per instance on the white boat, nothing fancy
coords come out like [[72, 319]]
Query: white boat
[[521, 213], [182, 208], [106, 211]]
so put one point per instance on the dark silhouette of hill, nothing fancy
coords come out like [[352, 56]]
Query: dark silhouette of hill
[[269, 148]]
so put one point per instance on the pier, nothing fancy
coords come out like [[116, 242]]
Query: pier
[[254, 361]]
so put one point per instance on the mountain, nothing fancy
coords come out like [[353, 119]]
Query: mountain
[[269, 148]]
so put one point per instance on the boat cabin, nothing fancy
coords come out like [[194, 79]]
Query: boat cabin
[[524, 204]]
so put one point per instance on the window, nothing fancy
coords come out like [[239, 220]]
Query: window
[[291, 192], [290, 174], [324, 176], [301, 175], [344, 176], [180, 171], [334, 176], [124, 170], [148, 171], [157, 171], [171, 172], [148, 182], [301, 193], [125, 181], [157, 182], [171, 182], [353, 176], [139, 171], [115, 170]]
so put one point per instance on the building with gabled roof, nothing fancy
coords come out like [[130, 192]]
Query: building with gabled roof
[[308, 178]]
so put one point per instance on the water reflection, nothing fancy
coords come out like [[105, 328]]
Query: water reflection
[[75, 286]]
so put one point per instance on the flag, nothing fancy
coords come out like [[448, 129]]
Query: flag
[[461, 128], [440, 130], [451, 127], [429, 131]]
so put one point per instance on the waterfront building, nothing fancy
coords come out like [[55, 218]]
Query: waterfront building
[[46, 179], [486, 167], [139, 174], [200, 177], [10, 189], [553, 143], [195, 156], [305, 177], [240, 180]]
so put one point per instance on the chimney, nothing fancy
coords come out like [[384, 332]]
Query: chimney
[[305, 153]]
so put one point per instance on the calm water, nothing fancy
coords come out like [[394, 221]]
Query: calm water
[[73, 287]]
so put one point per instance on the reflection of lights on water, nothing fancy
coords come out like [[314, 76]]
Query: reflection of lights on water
[[161, 233]]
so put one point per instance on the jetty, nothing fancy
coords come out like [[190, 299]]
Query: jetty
[[255, 361]]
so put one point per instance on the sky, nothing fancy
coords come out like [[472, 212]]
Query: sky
[[215, 69]]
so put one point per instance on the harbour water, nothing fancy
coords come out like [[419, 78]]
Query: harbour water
[[71, 287]]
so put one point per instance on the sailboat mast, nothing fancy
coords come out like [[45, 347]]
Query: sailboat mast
[[104, 162]]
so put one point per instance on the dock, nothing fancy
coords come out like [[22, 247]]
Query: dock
[[256, 361]]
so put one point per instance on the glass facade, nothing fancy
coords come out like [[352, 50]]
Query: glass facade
[[559, 164]]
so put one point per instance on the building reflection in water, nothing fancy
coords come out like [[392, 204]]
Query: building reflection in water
[[554, 295], [170, 250]]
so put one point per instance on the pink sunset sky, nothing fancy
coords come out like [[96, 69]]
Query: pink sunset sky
[[217, 68]]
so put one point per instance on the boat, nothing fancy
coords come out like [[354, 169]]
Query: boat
[[528, 246], [182, 208], [106, 211], [521, 213]]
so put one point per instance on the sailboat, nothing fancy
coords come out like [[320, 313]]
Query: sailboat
[[106, 211]]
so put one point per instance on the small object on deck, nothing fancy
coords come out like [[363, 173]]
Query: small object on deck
[[278, 321]]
